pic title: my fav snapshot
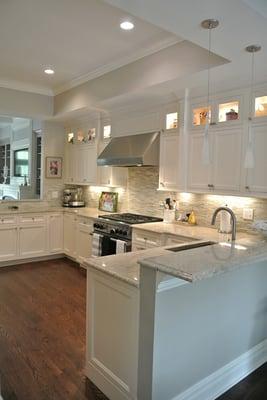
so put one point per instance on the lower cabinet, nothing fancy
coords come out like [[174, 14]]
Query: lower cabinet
[[112, 335], [70, 221], [8, 242], [77, 236], [84, 232], [143, 240], [55, 233], [32, 241]]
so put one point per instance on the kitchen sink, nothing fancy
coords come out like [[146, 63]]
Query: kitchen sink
[[191, 246]]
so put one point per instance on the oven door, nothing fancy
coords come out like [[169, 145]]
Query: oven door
[[112, 245]]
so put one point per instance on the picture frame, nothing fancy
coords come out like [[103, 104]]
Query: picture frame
[[53, 167], [108, 201]]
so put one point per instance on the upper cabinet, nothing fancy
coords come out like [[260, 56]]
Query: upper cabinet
[[261, 106], [256, 178], [169, 162], [220, 112], [223, 173]]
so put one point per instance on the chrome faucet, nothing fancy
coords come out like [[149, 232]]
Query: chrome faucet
[[233, 219]]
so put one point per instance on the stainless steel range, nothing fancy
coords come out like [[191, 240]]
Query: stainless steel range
[[113, 232]]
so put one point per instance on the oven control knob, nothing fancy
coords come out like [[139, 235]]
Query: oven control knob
[[101, 226], [112, 231], [117, 231], [95, 225], [124, 233]]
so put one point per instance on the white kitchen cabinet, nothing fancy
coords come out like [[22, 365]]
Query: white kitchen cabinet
[[80, 164], [55, 233], [227, 153], [223, 174], [256, 178], [84, 234], [86, 164], [145, 240], [169, 161], [8, 238], [112, 176], [32, 236], [70, 222], [199, 175], [112, 335]]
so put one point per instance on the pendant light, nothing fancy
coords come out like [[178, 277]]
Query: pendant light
[[250, 157], [208, 24]]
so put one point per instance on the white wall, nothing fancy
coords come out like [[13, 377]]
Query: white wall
[[202, 326]]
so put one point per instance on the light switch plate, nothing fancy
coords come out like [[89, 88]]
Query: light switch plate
[[248, 214]]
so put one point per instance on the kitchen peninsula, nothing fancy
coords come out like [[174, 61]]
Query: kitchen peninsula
[[162, 324]]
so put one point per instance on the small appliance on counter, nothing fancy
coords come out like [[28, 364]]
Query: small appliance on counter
[[73, 197]]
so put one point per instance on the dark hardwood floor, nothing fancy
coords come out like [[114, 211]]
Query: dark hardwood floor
[[42, 331], [42, 336]]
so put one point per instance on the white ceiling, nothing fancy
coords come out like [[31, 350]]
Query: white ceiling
[[81, 39], [242, 22]]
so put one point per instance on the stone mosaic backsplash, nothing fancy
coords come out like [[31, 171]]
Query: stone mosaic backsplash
[[142, 197]]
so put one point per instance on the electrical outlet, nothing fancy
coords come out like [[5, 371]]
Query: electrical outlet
[[248, 214]]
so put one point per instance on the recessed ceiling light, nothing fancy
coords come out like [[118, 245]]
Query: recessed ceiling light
[[49, 71], [127, 25]]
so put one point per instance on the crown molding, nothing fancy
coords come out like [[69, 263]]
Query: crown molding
[[163, 44], [25, 87]]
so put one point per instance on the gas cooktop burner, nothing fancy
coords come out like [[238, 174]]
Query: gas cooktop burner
[[128, 218]]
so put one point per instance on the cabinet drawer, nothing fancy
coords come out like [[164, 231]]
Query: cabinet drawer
[[86, 223], [149, 239], [173, 240], [8, 220], [32, 219]]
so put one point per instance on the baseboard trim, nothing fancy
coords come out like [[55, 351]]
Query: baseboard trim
[[229, 375], [29, 260]]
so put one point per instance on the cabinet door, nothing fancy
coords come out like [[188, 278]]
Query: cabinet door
[[199, 175], [257, 176], [70, 163], [8, 243], [55, 233], [86, 162], [84, 240], [32, 240], [70, 235], [104, 175], [169, 162], [227, 160]]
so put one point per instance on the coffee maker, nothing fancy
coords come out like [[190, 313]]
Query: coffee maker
[[73, 197]]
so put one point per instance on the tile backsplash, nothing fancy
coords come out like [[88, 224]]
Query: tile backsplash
[[142, 196]]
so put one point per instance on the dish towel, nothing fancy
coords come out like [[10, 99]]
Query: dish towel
[[120, 246], [96, 245]]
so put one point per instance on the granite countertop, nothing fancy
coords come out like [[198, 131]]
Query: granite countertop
[[190, 265], [204, 262], [82, 211]]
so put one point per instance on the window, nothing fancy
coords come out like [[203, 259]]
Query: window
[[200, 115], [228, 111], [172, 120], [261, 106], [107, 131], [21, 162]]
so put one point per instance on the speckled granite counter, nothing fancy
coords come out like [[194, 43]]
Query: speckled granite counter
[[83, 211], [190, 265]]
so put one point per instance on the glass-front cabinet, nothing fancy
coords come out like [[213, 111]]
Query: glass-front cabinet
[[261, 106], [218, 112]]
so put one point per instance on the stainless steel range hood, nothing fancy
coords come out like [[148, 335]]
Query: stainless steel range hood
[[129, 151]]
